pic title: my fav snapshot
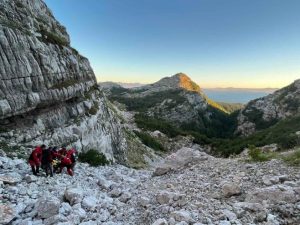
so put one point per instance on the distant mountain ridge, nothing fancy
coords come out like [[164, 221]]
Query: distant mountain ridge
[[264, 112], [177, 100]]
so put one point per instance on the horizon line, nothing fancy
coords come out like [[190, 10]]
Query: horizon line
[[203, 87]]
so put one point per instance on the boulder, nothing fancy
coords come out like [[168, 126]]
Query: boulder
[[74, 195], [182, 215], [89, 203], [115, 193], [53, 220], [144, 201], [160, 222], [7, 213], [230, 188], [273, 194], [11, 178], [180, 159], [164, 197], [30, 178], [65, 209], [47, 207], [125, 197], [104, 184]]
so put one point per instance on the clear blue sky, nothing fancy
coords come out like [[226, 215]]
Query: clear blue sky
[[218, 43]]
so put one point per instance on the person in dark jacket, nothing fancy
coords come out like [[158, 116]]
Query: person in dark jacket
[[35, 159], [47, 161]]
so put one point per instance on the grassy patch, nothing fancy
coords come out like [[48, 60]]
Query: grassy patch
[[293, 159], [14, 25], [257, 155], [93, 157], [50, 37], [150, 141]]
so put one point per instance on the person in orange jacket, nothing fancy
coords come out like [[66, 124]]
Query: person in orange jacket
[[66, 162], [35, 159]]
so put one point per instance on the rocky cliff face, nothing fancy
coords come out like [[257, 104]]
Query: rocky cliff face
[[48, 91], [264, 112]]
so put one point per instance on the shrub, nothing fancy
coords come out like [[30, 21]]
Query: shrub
[[93, 157], [94, 109], [288, 141], [150, 141], [53, 38], [257, 155], [152, 124], [293, 159]]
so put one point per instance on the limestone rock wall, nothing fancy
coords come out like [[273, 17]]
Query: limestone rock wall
[[48, 91]]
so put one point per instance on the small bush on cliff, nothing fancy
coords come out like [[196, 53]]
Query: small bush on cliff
[[53, 38], [93, 157]]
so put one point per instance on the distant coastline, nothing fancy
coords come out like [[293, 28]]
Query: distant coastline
[[229, 95]]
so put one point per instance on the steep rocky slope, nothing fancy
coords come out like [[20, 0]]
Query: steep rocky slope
[[265, 112], [177, 100], [200, 189], [48, 91]]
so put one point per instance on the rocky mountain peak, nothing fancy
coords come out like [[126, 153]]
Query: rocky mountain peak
[[179, 80]]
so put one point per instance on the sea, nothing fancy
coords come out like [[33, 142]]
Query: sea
[[236, 95]]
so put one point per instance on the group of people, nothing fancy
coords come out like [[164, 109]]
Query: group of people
[[52, 160]]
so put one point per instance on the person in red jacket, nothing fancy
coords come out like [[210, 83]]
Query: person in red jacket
[[62, 152], [35, 159], [66, 162], [71, 154]]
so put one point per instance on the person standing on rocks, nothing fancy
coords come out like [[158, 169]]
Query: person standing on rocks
[[47, 161], [35, 159], [66, 162], [62, 151], [71, 154]]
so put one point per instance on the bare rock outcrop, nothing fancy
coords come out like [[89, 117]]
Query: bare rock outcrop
[[264, 112], [48, 91]]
